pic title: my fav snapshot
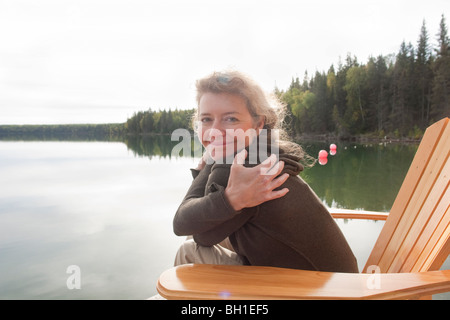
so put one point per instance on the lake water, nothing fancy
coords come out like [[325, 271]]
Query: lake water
[[107, 208]]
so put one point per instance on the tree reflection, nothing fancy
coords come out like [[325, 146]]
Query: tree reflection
[[361, 176]]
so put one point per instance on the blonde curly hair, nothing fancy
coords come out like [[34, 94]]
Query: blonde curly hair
[[259, 104]]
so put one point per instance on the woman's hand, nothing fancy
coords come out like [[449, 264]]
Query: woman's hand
[[205, 159], [249, 187], [201, 164]]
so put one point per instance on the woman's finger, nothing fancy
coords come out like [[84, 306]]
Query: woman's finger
[[240, 157], [278, 194], [267, 164], [276, 169], [279, 181], [269, 161]]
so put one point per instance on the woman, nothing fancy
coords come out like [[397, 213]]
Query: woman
[[247, 211]]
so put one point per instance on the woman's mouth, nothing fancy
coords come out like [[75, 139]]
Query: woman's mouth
[[221, 141]]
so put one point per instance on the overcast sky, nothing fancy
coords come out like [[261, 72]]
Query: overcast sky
[[99, 61]]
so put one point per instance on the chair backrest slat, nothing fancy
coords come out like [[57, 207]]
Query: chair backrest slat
[[428, 216], [415, 236], [434, 236], [439, 249]]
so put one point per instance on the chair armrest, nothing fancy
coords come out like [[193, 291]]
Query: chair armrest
[[252, 282], [357, 214]]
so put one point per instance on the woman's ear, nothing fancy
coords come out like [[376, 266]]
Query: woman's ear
[[260, 122]]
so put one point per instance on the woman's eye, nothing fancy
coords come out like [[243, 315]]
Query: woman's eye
[[205, 120], [231, 119]]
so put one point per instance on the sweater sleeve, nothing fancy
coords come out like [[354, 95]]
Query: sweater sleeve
[[224, 230], [205, 206]]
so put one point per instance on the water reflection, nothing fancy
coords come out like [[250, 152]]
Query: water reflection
[[90, 204], [108, 208], [159, 145], [149, 146], [358, 176]]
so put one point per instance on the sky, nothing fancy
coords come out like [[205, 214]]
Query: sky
[[99, 61]]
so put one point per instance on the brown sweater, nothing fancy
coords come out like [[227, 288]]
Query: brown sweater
[[295, 231]]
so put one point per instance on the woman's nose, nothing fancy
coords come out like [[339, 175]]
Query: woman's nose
[[214, 131], [217, 126], [212, 134]]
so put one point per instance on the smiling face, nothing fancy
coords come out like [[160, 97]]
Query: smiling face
[[225, 124]]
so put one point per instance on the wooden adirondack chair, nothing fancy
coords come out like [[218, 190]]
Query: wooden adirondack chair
[[404, 263]]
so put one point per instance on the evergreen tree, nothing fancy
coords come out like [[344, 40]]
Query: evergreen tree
[[355, 87], [320, 111], [441, 83], [398, 94], [333, 117], [423, 78], [340, 103], [377, 94], [402, 98]]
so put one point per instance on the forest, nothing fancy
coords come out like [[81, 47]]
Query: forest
[[158, 122], [73, 132], [397, 95]]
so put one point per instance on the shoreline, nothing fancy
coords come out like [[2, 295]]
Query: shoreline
[[117, 131], [363, 138]]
